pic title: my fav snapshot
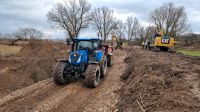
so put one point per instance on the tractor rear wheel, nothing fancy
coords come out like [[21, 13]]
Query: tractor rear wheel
[[103, 67], [92, 76], [110, 60], [58, 76]]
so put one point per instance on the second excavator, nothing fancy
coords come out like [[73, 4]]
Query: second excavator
[[160, 41], [118, 41]]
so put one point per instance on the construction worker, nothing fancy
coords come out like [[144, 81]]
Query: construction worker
[[147, 44], [143, 45]]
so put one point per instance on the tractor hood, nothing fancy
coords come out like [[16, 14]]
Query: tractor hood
[[76, 56]]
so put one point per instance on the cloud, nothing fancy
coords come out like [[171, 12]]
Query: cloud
[[25, 13], [15, 14]]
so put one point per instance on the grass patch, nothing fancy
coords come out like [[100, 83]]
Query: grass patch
[[9, 50], [190, 53]]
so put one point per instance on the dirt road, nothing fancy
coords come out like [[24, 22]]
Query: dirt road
[[46, 96]]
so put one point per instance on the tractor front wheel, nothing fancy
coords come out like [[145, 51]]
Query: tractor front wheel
[[92, 76], [58, 76]]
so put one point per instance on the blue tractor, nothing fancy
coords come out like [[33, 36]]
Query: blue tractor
[[88, 58]]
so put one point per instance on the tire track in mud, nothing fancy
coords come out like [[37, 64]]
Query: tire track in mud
[[23, 92], [55, 99], [42, 99], [46, 96], [27, 97]]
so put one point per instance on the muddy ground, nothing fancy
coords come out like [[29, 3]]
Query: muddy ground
[[138, 81]]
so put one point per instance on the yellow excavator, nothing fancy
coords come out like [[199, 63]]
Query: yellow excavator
[[163, 42], [118, 41]]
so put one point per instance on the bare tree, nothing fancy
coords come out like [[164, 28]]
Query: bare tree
[[132, 27], [28, 33], [120, 29], [71, 16], [103, 21], [172, 19], [142, 33], [150, 31]]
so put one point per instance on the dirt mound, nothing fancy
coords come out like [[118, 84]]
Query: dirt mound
[[43, 48], [191, 46], [21, 72], [158, 82], [32, 64], [37, 69]]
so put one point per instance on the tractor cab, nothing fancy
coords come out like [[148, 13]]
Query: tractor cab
[[86, 44], [86, 48], [90, 49]]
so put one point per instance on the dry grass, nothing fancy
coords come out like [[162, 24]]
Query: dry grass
[[9, 50]]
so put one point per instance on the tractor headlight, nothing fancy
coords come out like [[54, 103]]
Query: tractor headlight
[[75, 58]]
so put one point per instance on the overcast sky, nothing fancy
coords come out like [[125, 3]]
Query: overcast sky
[[15, 14]]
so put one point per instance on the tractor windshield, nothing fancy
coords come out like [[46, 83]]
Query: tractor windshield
[[84, 45], [87, 45]]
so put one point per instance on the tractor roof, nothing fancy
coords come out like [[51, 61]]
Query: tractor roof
[[86, 39]]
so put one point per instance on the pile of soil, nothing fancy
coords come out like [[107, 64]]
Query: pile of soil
[[156, 81], [43, 48], [33, 63]]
